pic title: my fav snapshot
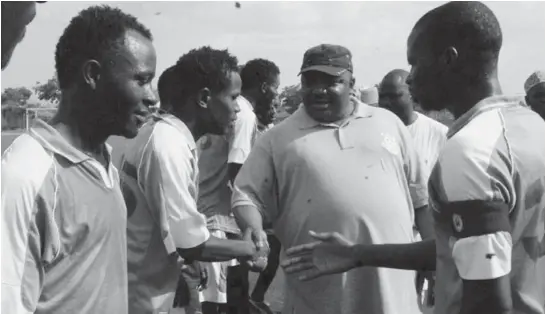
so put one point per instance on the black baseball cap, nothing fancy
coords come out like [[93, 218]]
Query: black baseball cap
[[330, 59]]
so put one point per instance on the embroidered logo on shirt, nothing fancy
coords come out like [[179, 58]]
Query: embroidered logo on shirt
[[390, 144], [457, 222]]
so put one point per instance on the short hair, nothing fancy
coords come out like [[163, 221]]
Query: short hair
[[470, 26], [166, 86], [92, 33], [258, 71], [200, 68]]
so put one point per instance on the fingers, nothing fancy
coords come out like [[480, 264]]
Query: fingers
[[301, 249], [324, 236], [299, 267], [305, 259]]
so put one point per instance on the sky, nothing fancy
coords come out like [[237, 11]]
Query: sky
[[375, 32]]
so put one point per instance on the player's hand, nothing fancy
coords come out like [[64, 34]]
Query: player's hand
[[331, 254], [258, 262]]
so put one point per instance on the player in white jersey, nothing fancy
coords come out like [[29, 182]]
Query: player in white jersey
[[160, 179], [429, 137], [221, 156]]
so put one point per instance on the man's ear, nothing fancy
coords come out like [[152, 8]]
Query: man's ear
[[264, 88], [526, 100], [352, 82], [450, 56], [204, 97], [91, 73]]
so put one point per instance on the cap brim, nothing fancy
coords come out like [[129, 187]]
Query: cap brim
[[333, 71]]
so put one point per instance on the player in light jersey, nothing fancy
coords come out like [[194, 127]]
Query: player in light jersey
[[63, 218], [160, 179], [487, 188], [429, 137], [221, 156]]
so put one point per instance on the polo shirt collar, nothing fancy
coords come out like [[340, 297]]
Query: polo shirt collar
[[53, 141], [489, 103], [307, 122]]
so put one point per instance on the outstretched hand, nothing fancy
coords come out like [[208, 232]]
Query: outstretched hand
[[258, 262], [331, 254]]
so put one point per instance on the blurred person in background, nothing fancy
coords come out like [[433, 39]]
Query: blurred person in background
[[535, 92], [16, 15]]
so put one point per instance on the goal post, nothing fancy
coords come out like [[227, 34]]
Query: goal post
[[31, 114]]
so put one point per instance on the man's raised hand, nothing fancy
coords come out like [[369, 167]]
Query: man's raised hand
[[331, 254]]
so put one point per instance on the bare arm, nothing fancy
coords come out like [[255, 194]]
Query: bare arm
[[216, 249], [411, 256], [424, 222]]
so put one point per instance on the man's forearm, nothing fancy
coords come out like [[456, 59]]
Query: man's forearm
[[411, 256], [215, 249], [248, 217], [424, 222]]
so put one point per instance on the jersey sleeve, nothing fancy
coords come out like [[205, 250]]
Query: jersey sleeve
[[473, 192], [241, 139], [28, 230], [256, 183], [166, 175]]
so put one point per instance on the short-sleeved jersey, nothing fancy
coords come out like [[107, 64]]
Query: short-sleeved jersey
[[63, 219], [492, 166], [215, 153], [429, 138], [159, 177], [361, 178]]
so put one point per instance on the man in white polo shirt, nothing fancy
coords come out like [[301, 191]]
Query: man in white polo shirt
[[341, 165], [160, 179], [221, 156]]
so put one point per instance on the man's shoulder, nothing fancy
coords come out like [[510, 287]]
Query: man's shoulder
[[25, 163]]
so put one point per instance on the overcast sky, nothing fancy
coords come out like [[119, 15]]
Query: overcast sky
[[375, 32]]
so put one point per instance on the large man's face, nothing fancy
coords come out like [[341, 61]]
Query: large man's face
[[427, 78], [265, 108], [535, 98], [326, 98], [16, 15], [124, 90], [222, 109]]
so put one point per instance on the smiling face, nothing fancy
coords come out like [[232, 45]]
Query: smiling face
[[125, 89], [326, 98]]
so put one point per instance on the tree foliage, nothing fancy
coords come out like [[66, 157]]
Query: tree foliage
[[17, 96], [49, 91]]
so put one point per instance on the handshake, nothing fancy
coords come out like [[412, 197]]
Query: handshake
[[260, 247]]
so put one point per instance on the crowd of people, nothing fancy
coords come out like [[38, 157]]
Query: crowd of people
[[366, 209]]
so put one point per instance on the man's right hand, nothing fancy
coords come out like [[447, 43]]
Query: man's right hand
[[259, 239]]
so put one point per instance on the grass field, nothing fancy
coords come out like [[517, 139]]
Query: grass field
[[275, 294]]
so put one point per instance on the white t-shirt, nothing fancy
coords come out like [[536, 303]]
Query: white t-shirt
[[429, 137]]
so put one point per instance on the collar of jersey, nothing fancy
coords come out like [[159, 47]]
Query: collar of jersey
[[307, 122], [487, 104], [53, 141]]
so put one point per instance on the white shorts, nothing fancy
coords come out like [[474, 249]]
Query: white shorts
[[216, 287]]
